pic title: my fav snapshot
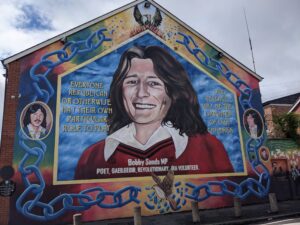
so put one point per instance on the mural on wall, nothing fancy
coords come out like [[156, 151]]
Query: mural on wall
[[149, 130], [36, 121], [253, 123], [284, 154], [136, 95]]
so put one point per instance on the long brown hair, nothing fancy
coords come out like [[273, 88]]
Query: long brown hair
[[184, 109], [33, 109]]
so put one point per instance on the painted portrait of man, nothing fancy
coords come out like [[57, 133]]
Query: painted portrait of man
[[155, 123], [253, 123], [35, 124], [264, 153]]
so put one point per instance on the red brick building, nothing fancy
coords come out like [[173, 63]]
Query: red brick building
[[279, 106]]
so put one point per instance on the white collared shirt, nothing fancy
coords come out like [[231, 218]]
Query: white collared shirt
[[126, 135], [253, 131], [36, 134]]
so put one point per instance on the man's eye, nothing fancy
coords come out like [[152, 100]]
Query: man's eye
[[131, 82], [153, 83]]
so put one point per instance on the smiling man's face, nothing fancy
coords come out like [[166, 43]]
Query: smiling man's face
[[144, 94], [37, 118]]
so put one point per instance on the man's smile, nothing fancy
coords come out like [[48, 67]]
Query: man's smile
[[144, 93], [143, 106]]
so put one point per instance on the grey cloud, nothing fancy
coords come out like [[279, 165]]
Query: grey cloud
[[274, 32], [273, 27], [32, 19]]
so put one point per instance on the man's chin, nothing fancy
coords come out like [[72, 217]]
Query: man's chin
[[145, 121]]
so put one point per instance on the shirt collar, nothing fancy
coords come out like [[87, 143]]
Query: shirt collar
[[35, 133], [126, 134]]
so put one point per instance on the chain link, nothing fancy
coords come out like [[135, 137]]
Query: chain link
[[44, 91], [39, 72], [29, 165], [218, 66], [260, 187]]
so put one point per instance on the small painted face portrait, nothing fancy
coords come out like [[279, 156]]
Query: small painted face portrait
[[264, 153], [144, 93], [253, 123], [37, 120], [250, 120]]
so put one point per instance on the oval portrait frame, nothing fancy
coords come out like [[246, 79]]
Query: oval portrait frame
[[49, 119], [258, 120], [261, 155]]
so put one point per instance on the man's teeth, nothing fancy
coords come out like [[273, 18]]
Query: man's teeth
[[144, 106]]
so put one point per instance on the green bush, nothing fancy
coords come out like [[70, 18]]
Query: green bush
[[288, 123]]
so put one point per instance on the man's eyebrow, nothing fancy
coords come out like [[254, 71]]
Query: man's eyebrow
[[132, 75], [153, 77], [135, 75]]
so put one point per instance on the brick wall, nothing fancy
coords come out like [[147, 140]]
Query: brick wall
[[8, 129], [297, 111], [274, 110]]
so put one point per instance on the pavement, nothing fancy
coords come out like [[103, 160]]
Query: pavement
[[250, 214]]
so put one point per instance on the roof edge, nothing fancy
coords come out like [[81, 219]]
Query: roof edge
[[295, 105], [270, 102], [260, 78], [277, 104], [118, 10], [68, 33]]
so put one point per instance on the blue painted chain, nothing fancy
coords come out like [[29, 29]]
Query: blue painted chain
[[259, 187], [30, 163], [63, 55]]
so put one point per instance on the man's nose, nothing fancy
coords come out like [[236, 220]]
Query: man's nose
[[142, 90]]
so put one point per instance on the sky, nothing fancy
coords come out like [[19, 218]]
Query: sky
[[273, 24]]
